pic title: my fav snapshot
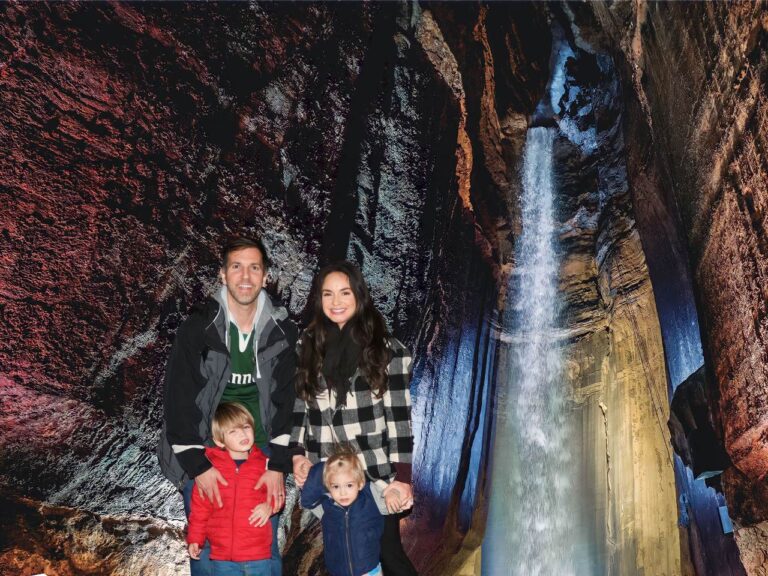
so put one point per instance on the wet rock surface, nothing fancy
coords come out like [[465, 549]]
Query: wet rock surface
[[692, 428], [611, 342], [44, 538], [695, 83], [137, 136]]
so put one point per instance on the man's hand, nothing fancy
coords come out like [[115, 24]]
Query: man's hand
[[260, 515], [194, 551], [273, 481], [405, 493], [208, 485], [301, 466]]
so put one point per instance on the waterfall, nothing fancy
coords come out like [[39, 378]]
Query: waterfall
[[533, 504]]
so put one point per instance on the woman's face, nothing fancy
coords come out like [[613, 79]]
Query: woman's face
[[339, 302]]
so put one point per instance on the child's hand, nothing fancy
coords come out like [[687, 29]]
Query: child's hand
[[194, 551], [392, 500], [260, 515]]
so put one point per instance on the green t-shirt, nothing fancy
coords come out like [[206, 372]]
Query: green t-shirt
[[242, 386]]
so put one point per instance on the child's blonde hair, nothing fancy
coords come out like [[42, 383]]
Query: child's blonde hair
[[229, 415], [344, 459]]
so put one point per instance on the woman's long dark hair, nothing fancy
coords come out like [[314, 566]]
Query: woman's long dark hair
[[367, 327]]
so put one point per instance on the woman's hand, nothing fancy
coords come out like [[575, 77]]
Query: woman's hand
[[392, 501], [403, 499], [301, 466], [194, 551]]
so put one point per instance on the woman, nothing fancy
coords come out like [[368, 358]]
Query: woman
[[352, 387]]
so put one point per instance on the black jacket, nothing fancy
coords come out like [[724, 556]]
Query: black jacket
[[197, 373]]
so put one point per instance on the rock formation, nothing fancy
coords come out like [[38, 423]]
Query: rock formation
[[136, 137], [614, 350], [137, 142], [695, 77]]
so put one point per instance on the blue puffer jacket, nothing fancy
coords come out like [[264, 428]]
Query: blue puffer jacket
[[352, 535]]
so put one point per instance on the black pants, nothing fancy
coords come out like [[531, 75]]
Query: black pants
[[394, 560]]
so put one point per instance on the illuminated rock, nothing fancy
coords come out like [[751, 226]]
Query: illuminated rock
[[392, 134]]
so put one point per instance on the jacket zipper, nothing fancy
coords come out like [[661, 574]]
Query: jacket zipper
[[256, 353], [349, 544], [234, 511]]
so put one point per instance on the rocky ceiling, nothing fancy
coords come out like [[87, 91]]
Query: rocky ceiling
[[136, 136]]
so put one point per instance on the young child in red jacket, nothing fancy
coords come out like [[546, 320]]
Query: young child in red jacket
[[233, 539]]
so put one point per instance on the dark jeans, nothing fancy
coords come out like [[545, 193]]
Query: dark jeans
[[204, 566], [253, 568], [394, 560]]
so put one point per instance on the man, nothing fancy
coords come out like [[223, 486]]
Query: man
[[237, 347]]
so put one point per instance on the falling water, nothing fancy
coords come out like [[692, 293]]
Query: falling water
[[533, 503]]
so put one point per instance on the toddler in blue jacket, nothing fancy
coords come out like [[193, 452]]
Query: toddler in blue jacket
[[351, 514]]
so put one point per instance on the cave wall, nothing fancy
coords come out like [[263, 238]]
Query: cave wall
[[390, 134], [135, 143], [615, 364], [695, 77], [478, 50]]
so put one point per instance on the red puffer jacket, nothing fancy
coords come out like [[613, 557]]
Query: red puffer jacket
[[232, 538]]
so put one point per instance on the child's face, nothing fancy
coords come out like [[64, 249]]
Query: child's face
[[344, 487], [238, 441]]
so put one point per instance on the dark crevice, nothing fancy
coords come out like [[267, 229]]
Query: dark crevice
[[374, 78]]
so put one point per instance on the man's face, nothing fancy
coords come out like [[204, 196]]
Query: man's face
[[244, 275]]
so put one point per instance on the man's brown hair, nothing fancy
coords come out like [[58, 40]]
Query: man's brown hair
[[240, 243]]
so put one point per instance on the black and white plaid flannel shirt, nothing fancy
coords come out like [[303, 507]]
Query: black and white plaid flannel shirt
[[379, 428]]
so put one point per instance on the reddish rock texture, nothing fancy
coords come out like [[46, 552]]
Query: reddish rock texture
[[696, 76], [707, 116], [137, 136], [64, 541]]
